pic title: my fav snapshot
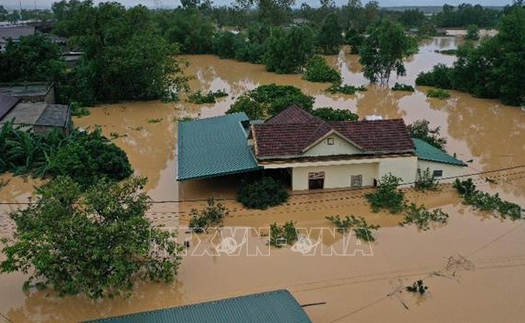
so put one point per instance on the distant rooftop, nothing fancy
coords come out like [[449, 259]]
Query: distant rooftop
[[426, 151], [15, 32], [270, 307], [31, 89], [214, 147]]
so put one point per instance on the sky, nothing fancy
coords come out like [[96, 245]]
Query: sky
[[41, 4]]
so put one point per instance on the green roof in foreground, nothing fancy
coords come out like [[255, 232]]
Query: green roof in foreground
[[426, 151], [213, 147], [270, 307]]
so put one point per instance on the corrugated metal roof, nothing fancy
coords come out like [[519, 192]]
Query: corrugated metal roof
[[25, 113], [270, 307], [213, 147], [7, 102], [426, 151], [54, 115]]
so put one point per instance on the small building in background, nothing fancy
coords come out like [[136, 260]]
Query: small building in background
[[14, 33], [39, 117], [30, 92]]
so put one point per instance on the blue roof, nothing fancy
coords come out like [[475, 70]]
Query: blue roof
[[426, 151], [213, 147], [270, 307]]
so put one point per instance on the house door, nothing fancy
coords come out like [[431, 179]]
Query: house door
[[316, 181]]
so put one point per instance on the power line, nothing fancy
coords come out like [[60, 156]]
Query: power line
[[6, 318]]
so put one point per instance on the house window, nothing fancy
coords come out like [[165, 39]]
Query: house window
[[315, 180], [330, 141], [438, 173], [356, 180]]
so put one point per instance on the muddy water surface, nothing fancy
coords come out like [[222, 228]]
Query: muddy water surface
[[486, 133]]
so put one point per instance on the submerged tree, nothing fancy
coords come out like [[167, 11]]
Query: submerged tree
[[96, 243], [383, 51]]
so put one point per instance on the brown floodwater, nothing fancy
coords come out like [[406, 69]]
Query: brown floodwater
[[365, 287]]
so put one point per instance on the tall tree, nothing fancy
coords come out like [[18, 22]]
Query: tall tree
[[287, 51], [383, 51], [330, 37], [97, 243]]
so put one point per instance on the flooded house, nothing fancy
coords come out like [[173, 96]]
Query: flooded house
[[39, 117], [269, 307], [315, 154]]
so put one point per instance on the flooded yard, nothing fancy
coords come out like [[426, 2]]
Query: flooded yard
[[473, 265]]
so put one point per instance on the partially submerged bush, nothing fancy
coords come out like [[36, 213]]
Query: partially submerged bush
[[417, 287], [440, 76], [211, 216], [345, 89], [420, 216], [420, 130], [387, 196], [403, 87], [281, 235], [210, 97], [426, 181], [77, 110], [262, 194], [331, 114], [485, 201], [361, 228], [270, 99], [438, 93], [318, 70]]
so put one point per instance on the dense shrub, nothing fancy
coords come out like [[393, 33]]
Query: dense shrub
[[262, 194], [440, 76], [425, 180], [331, 114], [387, 196], [318, 70], [211, 216], [225, 44], [438, 93], [83, 156], [403, 87], [267, 100], [420, 129], [345, 89], [420, 216]]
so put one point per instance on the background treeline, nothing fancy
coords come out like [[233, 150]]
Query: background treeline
[[130, 54]]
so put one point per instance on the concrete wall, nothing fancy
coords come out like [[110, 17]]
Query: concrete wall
[[403, 167], [340, 147], [336, 176], [448, 169]]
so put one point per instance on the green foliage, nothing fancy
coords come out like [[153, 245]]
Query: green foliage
[[331, 114], [403, 87], [261, 194], [417, 287], [440, 76], [485, 201], [383, 51], [318, 70], [345, 89], [426, 181], [78, 111], [97, 242], [420, 216], [270, 99], [361, 228], [420, 129], [227, 44], [466, 14], [155, 120], [33, 58], [355, 40], [387, 196], [211, 216], [329, 36], [438, 93], [281, 235], [83, 156], [287, 51], [210, 97], [412, 18], [472, 32]]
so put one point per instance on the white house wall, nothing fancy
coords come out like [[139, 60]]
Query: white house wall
[[403, 167], [449, 170], [336, 176], [340, 147]]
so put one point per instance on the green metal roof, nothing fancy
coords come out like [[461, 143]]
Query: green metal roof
[[270, 307], [426, 151], [213, 147]]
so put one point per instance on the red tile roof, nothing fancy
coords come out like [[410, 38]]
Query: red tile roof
[[288, 134]]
